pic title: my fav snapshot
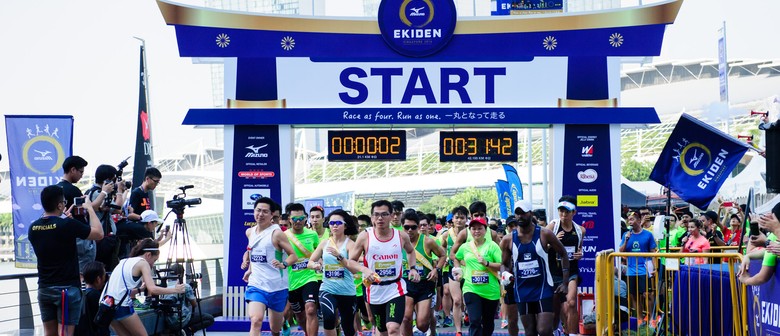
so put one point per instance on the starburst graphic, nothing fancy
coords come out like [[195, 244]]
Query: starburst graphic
[[223, 40], [288, 43], [550, 43], [616, 40]]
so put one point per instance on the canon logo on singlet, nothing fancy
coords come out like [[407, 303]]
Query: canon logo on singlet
[[385, 256]]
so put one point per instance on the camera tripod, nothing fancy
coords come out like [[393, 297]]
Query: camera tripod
[[180, 252]]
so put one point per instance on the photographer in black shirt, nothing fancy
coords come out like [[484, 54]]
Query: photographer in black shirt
[[140, 199], [53, 238]]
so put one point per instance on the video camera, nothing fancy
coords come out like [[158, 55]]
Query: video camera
[[180, 201]]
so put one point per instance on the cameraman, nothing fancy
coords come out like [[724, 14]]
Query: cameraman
[[73, 168], [191, 318], [105, 201], [139, 197]]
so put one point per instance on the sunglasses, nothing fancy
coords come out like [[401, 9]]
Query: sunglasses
[[335, 223], [410, 227], [297, 218]]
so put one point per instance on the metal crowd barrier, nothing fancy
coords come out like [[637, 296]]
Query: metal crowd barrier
[[19, 312], [682, 295]]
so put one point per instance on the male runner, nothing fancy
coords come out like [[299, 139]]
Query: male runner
[[419, 294], [304, 282], [383, 248], [459, 217]]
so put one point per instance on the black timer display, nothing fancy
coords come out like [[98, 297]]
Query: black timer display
[[377, 145], [478, 146]]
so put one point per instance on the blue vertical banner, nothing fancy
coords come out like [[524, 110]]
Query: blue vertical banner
[[515, 186], [255, 174], [506, 204], [37, 146], [587, 175]]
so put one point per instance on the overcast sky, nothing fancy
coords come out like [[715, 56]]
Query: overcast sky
[[79, 58]]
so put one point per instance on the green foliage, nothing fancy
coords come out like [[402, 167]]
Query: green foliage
[[637, 171], [441, 205], [6, 222], [362, 207]]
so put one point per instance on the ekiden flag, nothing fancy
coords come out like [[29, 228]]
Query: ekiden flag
[[696, 161], [515, 186], [506, 204]]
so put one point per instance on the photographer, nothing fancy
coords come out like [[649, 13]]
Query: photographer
[[140, 199], [73, 168], [191, 318], [127, 278], [105, 202], [53, 238]]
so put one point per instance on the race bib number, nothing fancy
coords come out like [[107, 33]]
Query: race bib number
[[479, 278], [386, 269], [334, 272], [528, 269], [301, 265], [569, 251], [258, 258]]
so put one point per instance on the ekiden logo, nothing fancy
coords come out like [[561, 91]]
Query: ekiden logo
[[696, 159], [417, 28], [42, 153]]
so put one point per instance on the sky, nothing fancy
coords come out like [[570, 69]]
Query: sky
[[79, 58]]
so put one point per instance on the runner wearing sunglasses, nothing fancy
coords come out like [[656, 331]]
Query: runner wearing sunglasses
[[304, 282], [419, 294]]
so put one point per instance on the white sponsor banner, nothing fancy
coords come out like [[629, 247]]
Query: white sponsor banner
[[537, 83]]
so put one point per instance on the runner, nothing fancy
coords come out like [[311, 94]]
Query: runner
[[419, 294], [304, 282], [525, 253], [481, 260], [570, 234], [331, 257], [398, 212], [266, 275], [459, 216], [383, 248], [510, 311]]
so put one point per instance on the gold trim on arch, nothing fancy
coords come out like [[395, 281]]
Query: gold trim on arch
[[612, 102], [281, 103], [660, 13]]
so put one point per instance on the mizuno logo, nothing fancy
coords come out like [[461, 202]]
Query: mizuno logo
[[255, 149], [44, 155]]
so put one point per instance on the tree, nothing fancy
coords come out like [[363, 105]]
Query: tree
[[362, 207], [637, 171]]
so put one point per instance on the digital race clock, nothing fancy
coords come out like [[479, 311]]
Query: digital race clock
[[478, 146], [379, 145]]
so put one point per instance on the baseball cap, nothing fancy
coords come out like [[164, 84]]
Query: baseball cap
[[150, 216], [523, 206], [477, 222], [567, 205], [511, 221]]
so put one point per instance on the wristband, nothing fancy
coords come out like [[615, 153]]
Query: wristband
[[104, 193], [249, 248]]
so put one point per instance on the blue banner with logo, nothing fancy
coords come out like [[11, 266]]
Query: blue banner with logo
[[310, 203], [763, 306], [515, 186], [37, 146], [587, 175], [506, 204], [255, 174], [696, 160]]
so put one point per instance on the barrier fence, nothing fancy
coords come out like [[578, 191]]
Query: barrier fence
[[670, 293]]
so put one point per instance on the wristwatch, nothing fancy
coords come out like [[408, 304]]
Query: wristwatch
[[284, 263], [339, 258]]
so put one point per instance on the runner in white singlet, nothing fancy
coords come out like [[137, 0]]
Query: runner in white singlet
[[383, 248]]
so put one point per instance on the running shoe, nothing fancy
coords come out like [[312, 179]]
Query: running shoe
[[466, 320], [504, 324], [447, 322], [458, 333], [286, 329]]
